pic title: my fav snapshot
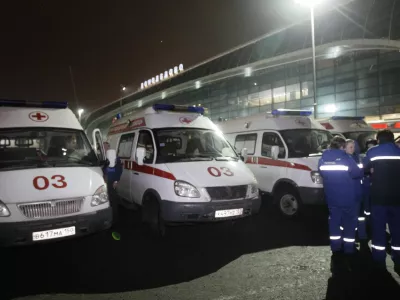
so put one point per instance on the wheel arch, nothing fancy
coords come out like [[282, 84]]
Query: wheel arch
[[282, 182], [153, 193]]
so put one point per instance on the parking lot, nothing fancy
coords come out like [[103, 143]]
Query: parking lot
[[264, 257]]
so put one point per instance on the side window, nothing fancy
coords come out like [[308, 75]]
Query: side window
[[125, 145], [246, 141], [146, 141], [272, 139]]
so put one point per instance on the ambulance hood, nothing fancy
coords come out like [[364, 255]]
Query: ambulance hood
[[29, 185], [310, 162], [212, 173]]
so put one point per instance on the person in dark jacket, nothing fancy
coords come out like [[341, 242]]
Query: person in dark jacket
[[383, 162], [350, 149], [340, 174], [112, 177], [367, 181]]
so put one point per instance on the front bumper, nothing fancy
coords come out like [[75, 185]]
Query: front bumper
[[312, 196], [20, 233], [205, 212]]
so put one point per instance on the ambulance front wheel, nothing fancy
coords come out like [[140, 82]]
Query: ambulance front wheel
[[152, 216], [288, 201]]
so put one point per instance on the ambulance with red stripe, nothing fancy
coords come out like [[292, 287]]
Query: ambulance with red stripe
[[282, 149], [51, 180], [354, 128], [179, 168]]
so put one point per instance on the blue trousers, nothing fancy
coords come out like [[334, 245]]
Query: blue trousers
[[345, 217], [380, 216], [363, 217]]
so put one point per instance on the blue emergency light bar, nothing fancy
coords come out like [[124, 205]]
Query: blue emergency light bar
[[291, 112], [179, 108], [348, 118], [25, 103]]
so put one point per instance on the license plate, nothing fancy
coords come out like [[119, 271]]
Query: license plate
[[53, 234], [228, 213]]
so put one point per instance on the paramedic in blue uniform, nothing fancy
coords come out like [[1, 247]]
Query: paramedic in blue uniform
[[366, 202], [383, 162], [340, 174], [350, 149], [112, 177]]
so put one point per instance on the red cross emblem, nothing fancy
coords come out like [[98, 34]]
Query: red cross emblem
[[185, 120], [38, 116]]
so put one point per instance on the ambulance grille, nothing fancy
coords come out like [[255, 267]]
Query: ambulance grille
[[48, 209], [227, 192]]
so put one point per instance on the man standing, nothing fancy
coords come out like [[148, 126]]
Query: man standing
[[340, 174], [112, 177], [383, 162]]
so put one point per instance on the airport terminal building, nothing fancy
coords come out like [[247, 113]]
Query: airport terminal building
[[358, 71]]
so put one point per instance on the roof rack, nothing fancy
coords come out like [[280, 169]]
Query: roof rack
[[25, 103]]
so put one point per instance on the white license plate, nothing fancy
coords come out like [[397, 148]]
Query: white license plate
[[53, 234], [228, 213]]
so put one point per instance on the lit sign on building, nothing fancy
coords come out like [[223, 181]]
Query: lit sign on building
[[161, 77]]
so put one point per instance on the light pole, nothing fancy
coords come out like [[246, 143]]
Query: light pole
[[311, 4], [80, 112]]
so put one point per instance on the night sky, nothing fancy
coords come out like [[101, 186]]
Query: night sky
[[109, 43]]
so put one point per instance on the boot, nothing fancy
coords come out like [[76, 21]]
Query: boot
[[337, 263], [352, 262], [397, 268]]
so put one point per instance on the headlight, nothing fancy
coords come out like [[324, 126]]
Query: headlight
[[4, 212], [316, 177], [253, 189], [100, 197], [184, 189]]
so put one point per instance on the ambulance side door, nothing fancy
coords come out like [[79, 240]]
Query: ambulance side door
[[125, 151], [269, 169], [249, 141], [142, 177]]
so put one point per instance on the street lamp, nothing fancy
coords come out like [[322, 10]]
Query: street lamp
[[80, 112], [123, 88], [311, 4]]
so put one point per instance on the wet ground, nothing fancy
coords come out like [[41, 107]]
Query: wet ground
[[263, 257]]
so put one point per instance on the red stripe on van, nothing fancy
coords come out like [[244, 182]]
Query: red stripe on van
[[275, 163], [133, 166]]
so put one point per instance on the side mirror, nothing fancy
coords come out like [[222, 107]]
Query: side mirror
[[112, 157], [244, 154], [140, 154], [274, 152]]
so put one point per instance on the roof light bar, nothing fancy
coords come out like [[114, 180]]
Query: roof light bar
[[291, 112], [179, 108], [25, 103], [348, 118]]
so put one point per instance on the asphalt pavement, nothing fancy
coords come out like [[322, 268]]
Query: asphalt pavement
[[262, 257]]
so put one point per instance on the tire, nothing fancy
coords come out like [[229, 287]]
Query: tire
[[151, 215], [288, 201]]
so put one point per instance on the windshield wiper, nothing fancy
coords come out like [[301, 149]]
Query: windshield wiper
[[76, 160], [226, 158], [25, 163]]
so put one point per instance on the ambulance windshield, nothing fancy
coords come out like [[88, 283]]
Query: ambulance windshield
[[192, 144], [361, 137], [306, 142], [25, 148]]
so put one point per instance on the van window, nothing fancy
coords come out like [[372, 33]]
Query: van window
[[146, 141], [272, 139], [27, 148], [191, 144], [246, 141], [306, 142], [125, 145]]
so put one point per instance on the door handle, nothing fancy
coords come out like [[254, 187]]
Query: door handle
[[135, 173], [263, 167]]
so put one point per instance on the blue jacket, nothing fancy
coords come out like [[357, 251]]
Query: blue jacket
[[114, 174], [384, 159], [367, 179], [341, 175], [358, 184]]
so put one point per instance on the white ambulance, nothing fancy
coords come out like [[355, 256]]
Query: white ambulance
[[179, 168], [354, 128], [282, 148], [51, 181]]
